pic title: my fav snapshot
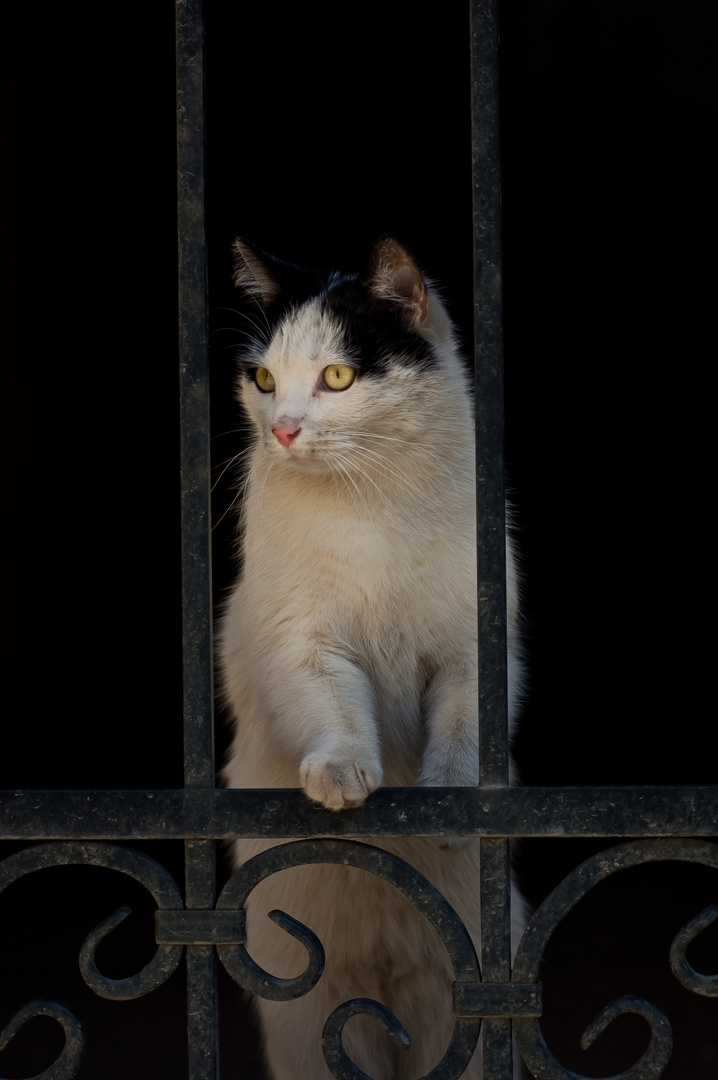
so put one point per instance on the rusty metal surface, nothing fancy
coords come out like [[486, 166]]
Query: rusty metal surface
[[284, 814]]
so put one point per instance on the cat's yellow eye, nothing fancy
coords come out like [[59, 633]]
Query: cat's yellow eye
[[264, 379], [338, 376]]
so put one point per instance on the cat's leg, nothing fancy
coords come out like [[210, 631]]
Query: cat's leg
[[342, 759], [451, 757], [423, 1003], [323, 713], [293, 1041]]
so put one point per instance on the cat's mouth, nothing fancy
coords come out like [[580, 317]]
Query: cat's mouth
[[302, 457], [300, 451]]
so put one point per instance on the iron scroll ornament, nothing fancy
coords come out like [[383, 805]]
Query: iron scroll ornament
[[164, 962], [472, 999], [529, 1038], [224, 927]]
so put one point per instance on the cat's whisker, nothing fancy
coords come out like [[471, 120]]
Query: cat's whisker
[[262, 485], [379, 463], [224, 330], [232, 431], [241, 490], [356, 454], [216, 524], [239, 495], [362, 472], [240, 453], [423, 453], [227, 465], [374, 435], [346, 475], [425, 456], [357, 448], [226, 307], [266, 330], [407, 484], [227, 348], [262, 327], [396, 486], [339, 478]]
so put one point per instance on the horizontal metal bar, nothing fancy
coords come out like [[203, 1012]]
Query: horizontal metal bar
[[210, 813], [498, 1000], [200, 927]]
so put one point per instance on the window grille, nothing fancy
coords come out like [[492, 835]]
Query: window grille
[[92, 827]]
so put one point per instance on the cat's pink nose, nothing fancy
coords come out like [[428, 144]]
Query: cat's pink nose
[[286, 434]]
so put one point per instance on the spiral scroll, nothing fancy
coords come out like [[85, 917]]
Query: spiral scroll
[[134, 864], [529, 1037], [409, 881], [73, 1052], [224, 927], [340, 1064], [707, 985]]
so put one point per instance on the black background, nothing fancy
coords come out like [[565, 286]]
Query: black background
[[327, 127]]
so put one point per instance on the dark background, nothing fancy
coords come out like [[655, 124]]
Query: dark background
[[328, 126]]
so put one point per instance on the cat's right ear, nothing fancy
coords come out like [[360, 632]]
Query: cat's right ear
[[394, 276], [253, 274]]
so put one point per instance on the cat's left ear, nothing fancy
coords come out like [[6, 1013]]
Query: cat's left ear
[[394, 276], [253, 273]]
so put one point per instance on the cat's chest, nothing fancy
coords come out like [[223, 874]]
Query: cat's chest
[[365, 577], [345, 559], [369, 572]]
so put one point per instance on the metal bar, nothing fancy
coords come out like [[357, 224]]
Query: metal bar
[[200, 872], [200, 927], [498, 999], [287, 813], [496, 951], [495, 893], [202, 1003], [194, 400], [488, 358]]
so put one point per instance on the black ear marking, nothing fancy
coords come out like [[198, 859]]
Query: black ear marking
[[252, 273], [394, 276]]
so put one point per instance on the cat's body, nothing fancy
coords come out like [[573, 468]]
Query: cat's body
[[349, 646]]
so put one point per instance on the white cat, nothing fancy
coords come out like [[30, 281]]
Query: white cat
[[349, 646]]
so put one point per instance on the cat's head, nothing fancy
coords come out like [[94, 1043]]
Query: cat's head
[[343, 362]]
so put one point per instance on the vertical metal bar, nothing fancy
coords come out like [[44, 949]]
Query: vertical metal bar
[[194, 400], [489, 394], [202, 1004], [496, 951], [200, 877], [491, 538]]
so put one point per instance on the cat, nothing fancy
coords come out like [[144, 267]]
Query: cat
[[349, 645]]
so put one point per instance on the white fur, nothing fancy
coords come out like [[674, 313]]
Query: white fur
[[349, 655]]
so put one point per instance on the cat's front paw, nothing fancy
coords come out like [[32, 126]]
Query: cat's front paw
[[338, 782]]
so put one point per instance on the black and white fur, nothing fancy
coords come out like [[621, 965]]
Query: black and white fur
[[349, 645]]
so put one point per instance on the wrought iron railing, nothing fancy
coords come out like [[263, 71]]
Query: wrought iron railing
[[83, 827]]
